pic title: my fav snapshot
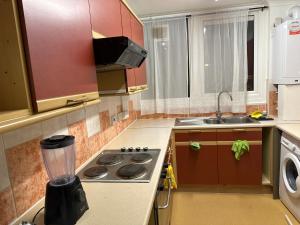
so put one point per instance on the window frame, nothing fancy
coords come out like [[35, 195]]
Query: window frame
[[258, 95]]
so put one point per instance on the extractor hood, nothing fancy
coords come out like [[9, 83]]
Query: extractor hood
[[115, 53]]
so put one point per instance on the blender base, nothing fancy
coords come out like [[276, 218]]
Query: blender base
[[65, 204]]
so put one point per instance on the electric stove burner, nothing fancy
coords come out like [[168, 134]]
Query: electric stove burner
[[96, 172], [131, 171], [109, 160], [141, 158]]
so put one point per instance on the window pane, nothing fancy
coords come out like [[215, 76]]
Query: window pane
[[250, 49], [218, 57]]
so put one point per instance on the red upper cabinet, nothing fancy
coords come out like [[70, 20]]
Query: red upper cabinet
[[138, 37], [106, 17], [126, 21], [58, 42], [127, 32]]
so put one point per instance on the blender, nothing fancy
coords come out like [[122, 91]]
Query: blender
[[65, 200]]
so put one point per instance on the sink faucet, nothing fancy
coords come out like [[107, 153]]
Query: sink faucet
[[218, 113]]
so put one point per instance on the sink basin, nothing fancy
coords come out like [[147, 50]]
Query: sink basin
[[213, 121], [239, 119], [230, 120], [188, 121], [196, 121]]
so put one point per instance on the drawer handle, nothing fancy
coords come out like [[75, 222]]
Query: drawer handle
[[74, 102], [239, 129]]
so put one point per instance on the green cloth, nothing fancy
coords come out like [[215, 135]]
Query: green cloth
[[240, 147], [195, 146]]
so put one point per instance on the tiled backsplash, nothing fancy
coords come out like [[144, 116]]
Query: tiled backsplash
[[23, 176]]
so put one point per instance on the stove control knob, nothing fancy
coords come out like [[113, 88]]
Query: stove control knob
[[123, 149], [130, 149], [163, 175], [145, 149], [138, 149]]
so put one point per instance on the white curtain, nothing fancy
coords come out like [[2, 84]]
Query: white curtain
[[218, 61], [167, 67]]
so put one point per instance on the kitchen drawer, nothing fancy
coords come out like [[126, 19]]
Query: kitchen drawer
[[197, 167], [246, 171], [249, 134], [195, 135]]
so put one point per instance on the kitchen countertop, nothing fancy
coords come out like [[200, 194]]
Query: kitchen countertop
[[123, 203], [131, 203], [291, 129], [127, 203]]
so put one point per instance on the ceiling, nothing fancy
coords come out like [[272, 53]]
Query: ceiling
[[161, 7]]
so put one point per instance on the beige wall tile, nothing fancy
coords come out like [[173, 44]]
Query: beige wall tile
[[21, 135], [75, 116], [55, 126], [92, 120]]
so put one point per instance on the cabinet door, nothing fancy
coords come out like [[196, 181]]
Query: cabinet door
[[59, 53], [126, 31], [126, 21], [106, 17], [130, 76], [246, 171], [138, 37], [140, 75], [197, 167]]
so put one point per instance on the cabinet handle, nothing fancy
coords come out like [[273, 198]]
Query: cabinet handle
[[132, 89], [239, 129], [74, 102]]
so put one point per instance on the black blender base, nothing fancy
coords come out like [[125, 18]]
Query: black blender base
[[65, 204]]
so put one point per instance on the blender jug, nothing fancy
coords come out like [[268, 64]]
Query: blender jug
[[59, 159]]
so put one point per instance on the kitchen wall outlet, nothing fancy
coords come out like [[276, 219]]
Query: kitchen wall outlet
[[114, 119]]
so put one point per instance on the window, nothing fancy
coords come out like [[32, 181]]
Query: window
[[209, 30], [250, 51]]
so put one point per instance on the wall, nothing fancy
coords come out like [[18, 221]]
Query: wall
[[277, 8], [22, 173]]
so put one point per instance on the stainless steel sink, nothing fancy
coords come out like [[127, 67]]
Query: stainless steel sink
[[213, 121], [188, 121], [239, 119], [230, 120], [194, 121]]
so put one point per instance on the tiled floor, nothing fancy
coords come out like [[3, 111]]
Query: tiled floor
[[195, 208]]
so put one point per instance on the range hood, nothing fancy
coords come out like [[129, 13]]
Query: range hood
[[115, 53]]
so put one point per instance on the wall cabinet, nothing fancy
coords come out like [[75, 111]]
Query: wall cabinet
[[138, 37], [58, 42], [14, 92], [215, 163], [128, 81], [106, 17]]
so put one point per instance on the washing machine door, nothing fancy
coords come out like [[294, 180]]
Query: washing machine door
[[291, 173]]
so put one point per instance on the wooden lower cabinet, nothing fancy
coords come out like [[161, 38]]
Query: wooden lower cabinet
[[197, 167], [246, 171], [215, 162]]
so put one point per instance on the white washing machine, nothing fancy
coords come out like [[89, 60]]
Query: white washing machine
[[289, 182]]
